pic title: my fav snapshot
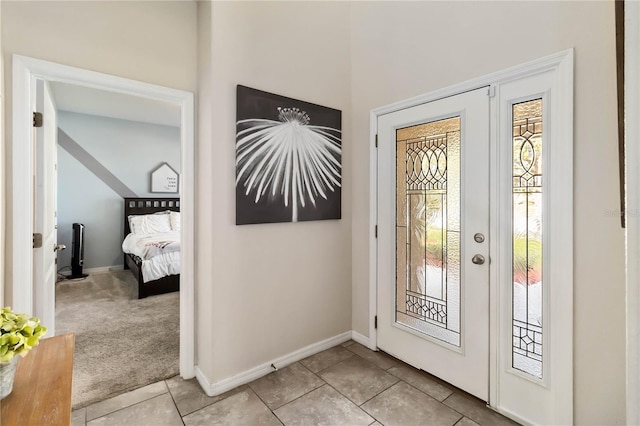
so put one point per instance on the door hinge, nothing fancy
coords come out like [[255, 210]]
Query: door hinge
[[492, 91], [37, 240], [375, 322], [376, 141], [37, 119], [375, 231]]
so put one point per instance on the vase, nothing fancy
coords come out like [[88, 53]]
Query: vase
[[7, 373]]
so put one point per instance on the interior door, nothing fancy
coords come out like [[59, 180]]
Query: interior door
[[45, 140], [433, 246]]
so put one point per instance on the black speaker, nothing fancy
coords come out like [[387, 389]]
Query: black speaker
[[77, 255]]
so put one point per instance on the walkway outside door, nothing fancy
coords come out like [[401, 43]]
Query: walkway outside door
[[433, 245]]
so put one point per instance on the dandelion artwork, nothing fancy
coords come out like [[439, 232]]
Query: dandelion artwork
[[288, 159]]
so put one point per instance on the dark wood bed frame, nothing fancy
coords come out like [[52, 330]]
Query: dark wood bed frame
[[140, 206]]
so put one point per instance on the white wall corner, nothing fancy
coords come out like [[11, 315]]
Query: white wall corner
[[224, 385], [362, 339], [632, 158]]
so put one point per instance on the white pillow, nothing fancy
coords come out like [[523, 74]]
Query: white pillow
[[174, 219], [149, 223]]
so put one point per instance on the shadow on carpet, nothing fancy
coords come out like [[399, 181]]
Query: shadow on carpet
[[122, 343]]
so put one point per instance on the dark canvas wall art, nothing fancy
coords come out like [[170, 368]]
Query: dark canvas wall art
[[288, 159]]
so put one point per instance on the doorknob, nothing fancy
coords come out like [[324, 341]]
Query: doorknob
[[478, 259], [59, 247]]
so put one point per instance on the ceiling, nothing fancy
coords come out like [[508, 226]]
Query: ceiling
[[86, 100]]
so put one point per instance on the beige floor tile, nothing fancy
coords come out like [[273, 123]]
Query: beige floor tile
[[327, 358], [243, 408], [323, 406], [285, 385], [388, 391], [380, 359], [358, 379], [158, 411], [79, 417], [189, 396], [421, 381], [476, 410], [465, 421], [403, 404], [128, 399]]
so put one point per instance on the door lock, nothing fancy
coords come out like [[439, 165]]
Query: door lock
[[478, 259], [479, 238]]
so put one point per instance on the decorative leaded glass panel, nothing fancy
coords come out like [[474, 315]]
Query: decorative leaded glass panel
[[428, 228], [527, 237]]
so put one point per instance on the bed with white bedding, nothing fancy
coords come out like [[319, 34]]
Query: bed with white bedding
[[152, 244], [160, 253]]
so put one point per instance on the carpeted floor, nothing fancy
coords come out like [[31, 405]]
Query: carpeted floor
[[122, 343]]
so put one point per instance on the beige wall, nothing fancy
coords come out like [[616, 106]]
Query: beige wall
[[154, 42], [2, 167], [267, 290], [400, 50]]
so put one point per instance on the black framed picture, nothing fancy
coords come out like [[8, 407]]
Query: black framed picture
[[288, 159]]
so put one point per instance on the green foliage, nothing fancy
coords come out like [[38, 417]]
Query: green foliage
[[428, 228], [527, 260], [18, 334]]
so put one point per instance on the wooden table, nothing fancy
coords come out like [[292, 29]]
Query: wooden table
[[42, 388]]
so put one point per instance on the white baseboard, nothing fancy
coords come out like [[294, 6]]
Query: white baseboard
[[360, 338], [217, 388], [103, 269]]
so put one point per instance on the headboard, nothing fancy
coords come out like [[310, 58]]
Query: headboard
[[133, 206]]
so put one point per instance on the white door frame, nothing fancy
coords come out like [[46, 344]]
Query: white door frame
[[24, 69], [561, 221]]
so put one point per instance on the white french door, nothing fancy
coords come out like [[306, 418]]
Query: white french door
[[433, 238]]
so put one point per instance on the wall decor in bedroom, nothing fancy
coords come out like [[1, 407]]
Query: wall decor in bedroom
[[164, 179], [288, 159]]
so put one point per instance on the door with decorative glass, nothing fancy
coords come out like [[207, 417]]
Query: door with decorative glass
[[433, 246]]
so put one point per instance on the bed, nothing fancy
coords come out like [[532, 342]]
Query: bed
[[152, 279]]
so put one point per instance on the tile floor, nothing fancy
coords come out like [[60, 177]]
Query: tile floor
[[345, 385]]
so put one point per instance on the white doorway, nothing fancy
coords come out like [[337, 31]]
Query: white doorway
[[491, 311], [433, 198], [27, 290]]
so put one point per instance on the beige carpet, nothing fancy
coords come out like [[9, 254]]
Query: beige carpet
[[122, 343]]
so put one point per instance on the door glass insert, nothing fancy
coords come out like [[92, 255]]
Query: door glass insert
[[527, 237], [428, 228]]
